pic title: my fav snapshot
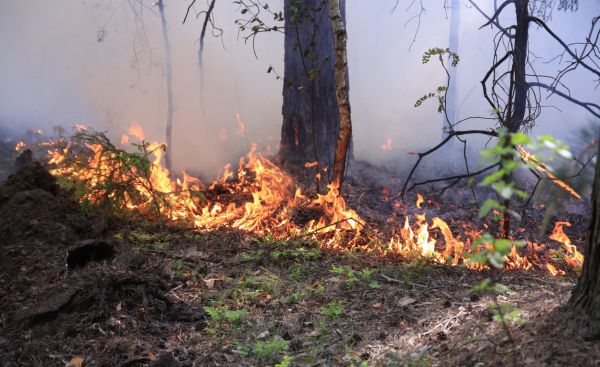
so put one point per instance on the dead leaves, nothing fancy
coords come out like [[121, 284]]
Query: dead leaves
[[75, 362]]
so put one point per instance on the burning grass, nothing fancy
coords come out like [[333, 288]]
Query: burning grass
[[261, 198]]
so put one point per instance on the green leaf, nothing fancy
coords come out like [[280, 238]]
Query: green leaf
[[487, 206], [496, 260], [502, 246], [489, 179], [519, 139]]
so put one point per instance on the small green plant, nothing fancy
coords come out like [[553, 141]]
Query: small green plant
[[253, 256], [296, 272], [333, 310], [221, 315], [285, 361], [296, 253], [234, 316], [180, 266], [271, 350]]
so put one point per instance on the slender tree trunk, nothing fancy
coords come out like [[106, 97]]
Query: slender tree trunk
[[310, 109], [520, 64], [169, 80], [517, 101], [341, 91], [586, 294], [454, 44], [207, 20]]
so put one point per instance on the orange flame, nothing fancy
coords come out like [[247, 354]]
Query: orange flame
[[387, 145], [528, 157], [420, 200], [136, 131], [260, 197], [574, 258], [311, 164], [20, 146], [241, 128]]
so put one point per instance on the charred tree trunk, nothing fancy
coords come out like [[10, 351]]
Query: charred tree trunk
[[586, 294], [342, 146], [310, 108], [169, 80]]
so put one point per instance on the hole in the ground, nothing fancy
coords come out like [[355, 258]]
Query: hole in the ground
[[93, 251]]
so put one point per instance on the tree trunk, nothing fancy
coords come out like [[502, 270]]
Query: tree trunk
[[341, 91], [310, 108], [169, 80], [519, 107], [517, 101], [586, 294], [450, 117]]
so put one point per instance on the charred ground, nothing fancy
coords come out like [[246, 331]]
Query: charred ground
[[143, 293]]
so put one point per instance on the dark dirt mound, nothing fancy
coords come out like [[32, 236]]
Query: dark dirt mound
[[67, 289], [32, 206]]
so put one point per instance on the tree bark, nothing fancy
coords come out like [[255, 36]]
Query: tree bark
[[519, 107], [586, 294], [310, 109], [169, 81], [341, 91]]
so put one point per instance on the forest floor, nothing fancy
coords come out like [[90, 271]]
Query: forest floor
[[142, 294]]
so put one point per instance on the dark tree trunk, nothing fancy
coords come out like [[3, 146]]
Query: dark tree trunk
[[519, 107], [586, 294], [310, 109]]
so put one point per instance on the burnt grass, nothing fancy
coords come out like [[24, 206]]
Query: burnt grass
[[144, 294]]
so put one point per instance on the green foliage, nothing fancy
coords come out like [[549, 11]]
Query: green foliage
[[439, 92], [333, 310], [440, 52], [285, 361], [108, 179], [270, 350], [506, 155], [220, 315], [487, 286], [503, 312], [296, 253]]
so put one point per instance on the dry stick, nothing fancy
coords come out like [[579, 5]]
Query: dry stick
[[496, 13], [578, 60], [495, 22], [458, 177], [329, 225], [590, 106], [441, 144]]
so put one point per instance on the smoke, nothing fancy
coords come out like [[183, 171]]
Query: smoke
[[101, 63]]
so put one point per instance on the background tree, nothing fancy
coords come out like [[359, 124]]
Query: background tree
[[513, 88], [169, 82]]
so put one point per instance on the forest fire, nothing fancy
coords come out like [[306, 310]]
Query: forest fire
[[261, 198]]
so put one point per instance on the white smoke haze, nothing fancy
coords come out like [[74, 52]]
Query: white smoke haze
[[54, 71]]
